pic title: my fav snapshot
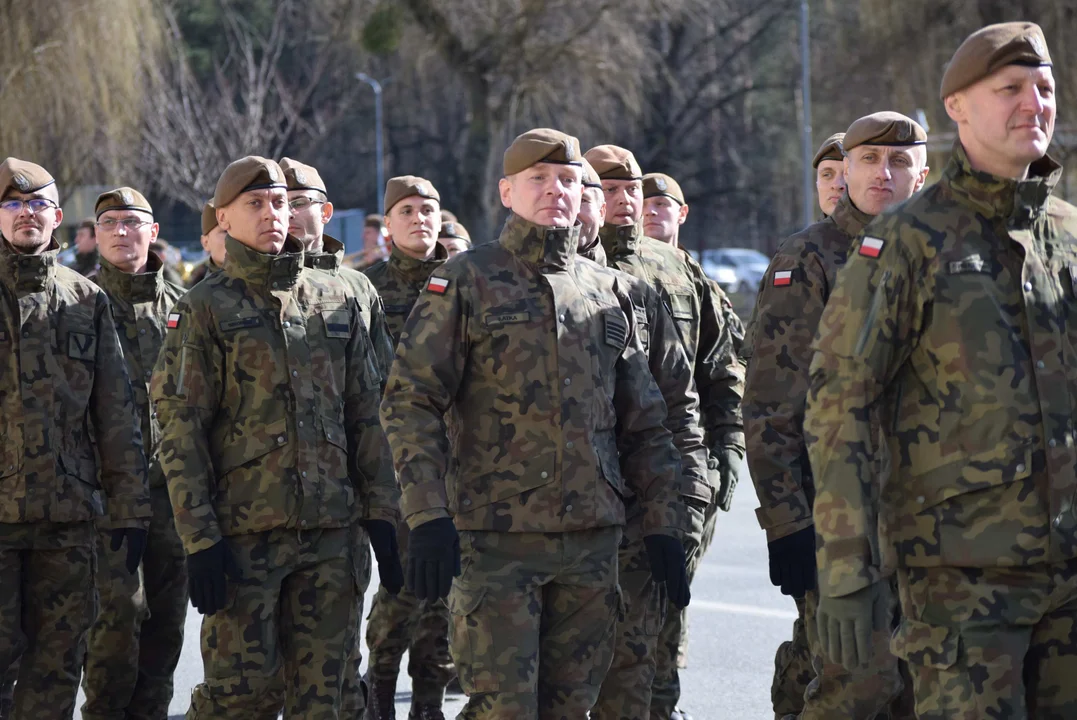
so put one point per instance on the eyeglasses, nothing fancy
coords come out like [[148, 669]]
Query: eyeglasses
[[302, 203], [129, 224], [36, 205]]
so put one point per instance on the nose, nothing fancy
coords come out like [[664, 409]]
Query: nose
[[1033, 100]]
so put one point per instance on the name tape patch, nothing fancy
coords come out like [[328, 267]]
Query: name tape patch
[[437, 285], [783, 278], [871, 247]]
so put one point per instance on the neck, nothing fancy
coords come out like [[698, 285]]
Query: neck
[[418, 255], [983, 161], [317, 244], [133, 267]]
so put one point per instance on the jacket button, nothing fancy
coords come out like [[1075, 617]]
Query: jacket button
[[295, 373], [1052, 442], [300, 423], [1058, 521], [304, 473], [544, 475], [569, 445], [1028, 287], [1020, 467], [561, 317], [280, 440], [921, 499], [285, 324], [1040, 364], [142, 331], [467, 501], [568, 381], [568, 508]]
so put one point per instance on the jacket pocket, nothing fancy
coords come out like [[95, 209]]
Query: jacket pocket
[[245, 449], [479, 489], [472, 639], [919, 643]]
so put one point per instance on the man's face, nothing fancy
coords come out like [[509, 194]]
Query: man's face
[[124, 238], [453, 246], [663, 217], [310, 211], [413, 224], [258, 219], [879, 176], [1007, 119], [546, 194], [85, 241], [371, 237], [624, 201], [28, 231], [830, 184], [214, 245], [592, 214]]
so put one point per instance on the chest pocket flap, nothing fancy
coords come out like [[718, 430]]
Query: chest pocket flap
[[80, 334]]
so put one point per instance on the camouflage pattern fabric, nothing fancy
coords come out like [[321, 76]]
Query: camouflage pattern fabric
[[201, 271], [533, 618], [400, 280], [86, 264], [295, 612], [793, 670], [47, 604]]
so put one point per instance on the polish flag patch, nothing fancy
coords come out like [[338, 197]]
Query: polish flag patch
[[871, 247], [173, 321], [783, 278], [437, 285]]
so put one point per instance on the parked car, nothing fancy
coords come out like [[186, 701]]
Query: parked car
[[723, 274], [748, 267]]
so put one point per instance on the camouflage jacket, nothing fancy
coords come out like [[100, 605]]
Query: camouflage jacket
[[672, 373], [65, 400], [792, 295], [537, 352], [399, 281], [331, 260], [699, 319], [203, 270], [86, 264], [140, 306], [957, 313], [267, 392]]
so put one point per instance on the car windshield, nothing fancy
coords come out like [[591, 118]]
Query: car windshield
[[740, 256]]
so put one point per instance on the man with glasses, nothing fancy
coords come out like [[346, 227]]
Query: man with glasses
[[72, 448], [135, 643]]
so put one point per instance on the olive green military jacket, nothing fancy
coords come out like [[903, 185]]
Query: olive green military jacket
[[86, 264], [71, 439], [778, 350], [267, 391], [204, 269], [957, 313], [400, 280], [536, 351], [331, 260]]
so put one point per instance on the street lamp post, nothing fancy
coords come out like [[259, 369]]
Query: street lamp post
[[376, 87], [805, 104]]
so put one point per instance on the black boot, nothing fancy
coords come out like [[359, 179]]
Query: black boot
[[425, 712], [381, 703]]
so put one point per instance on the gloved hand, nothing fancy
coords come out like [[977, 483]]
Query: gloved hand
[[207, 577], [387, 553], [846, 624], [136, 545], [726, 463], [668, 565], [792, 562], [433, 559]]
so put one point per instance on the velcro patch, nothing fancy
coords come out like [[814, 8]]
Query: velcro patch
[[783, 278], [398, 309], [971, 264], [437, 285], [173, 321], [871, 247], [81, 345], [616, 330], [641, 314], [495, 320], [240, 323], [337, 323]]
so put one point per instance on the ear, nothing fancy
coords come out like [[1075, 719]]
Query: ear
[[60, 217], [922, 179], [205, 242], [504, 189], [602, 212], [845, 166], [956, 107], [386, 224], [682, 214], [327, 212], [222, 219], [154, 230]]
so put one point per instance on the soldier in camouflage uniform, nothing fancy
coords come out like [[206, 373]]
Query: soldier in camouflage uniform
[[886, 163], [700, 320], [135, 643], [65, 400], [537, 354], [454, 237], [400, 623], [213, 243], [267, 389], [86, 257], [829, 164], [956, 317]]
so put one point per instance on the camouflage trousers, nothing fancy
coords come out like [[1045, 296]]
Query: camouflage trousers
[[47, 604], [793, 670], [991, 642], [532, 622], [880, 690], [134, 645], [292, 615], [672, 649], [399, 624]]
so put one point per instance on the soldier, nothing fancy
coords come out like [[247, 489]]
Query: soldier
[[885, 163], [400, 623], [266, 389], [374, 243], [454, 237], [664, 208], [956, 316], [829, 164], [65, 402], [707, 338], [134, 645], [552, 402], [86, 255], [212, 240]]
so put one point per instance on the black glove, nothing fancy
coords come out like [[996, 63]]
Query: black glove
[[433, 559], [207, 573], [669, 566], [726, 463], [136, 545], [387, 553], [792, 562]]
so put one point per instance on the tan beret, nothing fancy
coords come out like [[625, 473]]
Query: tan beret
[[614, 163], [829, 150], [541, 145], [884, 128], [249, 173], [21, 176], [301, 177], [373, 220], [209, 218], [447, 216], [991, 48], [655, 184], [454, 229], [124, 198], [406, 186], [590, 177]]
